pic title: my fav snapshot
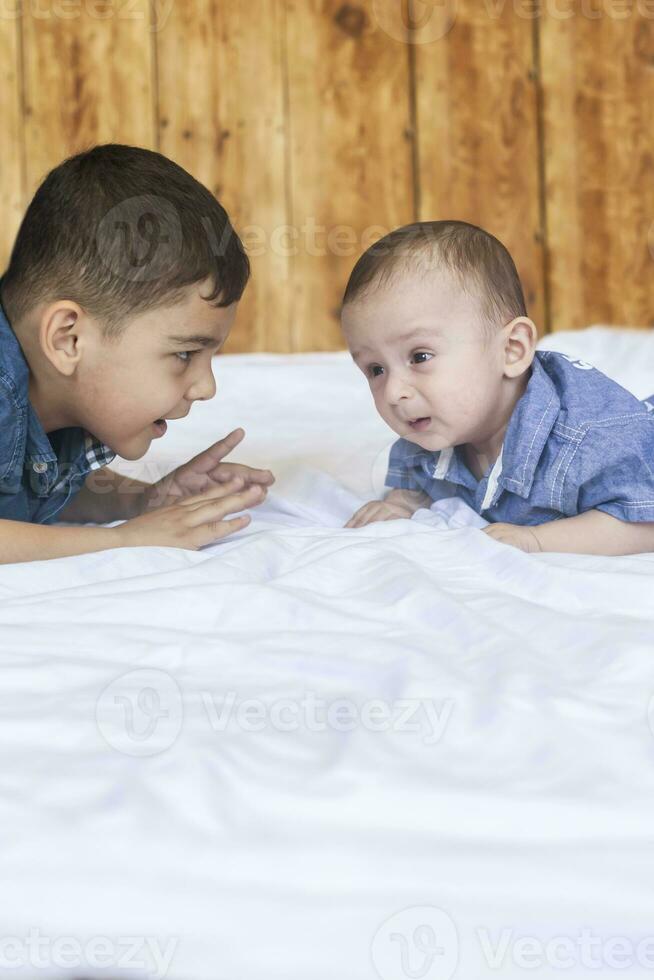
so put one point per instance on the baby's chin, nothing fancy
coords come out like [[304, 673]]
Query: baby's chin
[[433, 442]]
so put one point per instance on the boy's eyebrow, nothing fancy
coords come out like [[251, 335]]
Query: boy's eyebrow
[[201, 339]]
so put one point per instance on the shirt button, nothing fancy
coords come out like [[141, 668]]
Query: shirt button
[[39, 467]]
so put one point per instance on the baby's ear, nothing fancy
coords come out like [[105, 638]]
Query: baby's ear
[[521, 337]]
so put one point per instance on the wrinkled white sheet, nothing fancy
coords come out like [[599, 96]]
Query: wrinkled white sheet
[[308, 753]]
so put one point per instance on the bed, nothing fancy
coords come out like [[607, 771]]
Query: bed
[[311, 753]]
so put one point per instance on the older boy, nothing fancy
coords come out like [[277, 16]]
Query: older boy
[[552, 452], [124, 280]]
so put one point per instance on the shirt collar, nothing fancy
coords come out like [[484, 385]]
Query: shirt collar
[[529, 429]]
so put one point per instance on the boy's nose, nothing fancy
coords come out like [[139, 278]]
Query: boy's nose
[[202, 388]]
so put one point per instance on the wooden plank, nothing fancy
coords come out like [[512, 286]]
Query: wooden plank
[[88, 78], [351, 171], [477, 123], [598, 79], [11, 170], [221, 116]]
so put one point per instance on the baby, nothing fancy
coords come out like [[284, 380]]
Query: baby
[[123, 282], [554, 454]]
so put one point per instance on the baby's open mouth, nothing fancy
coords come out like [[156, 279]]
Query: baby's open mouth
[[420, 423], [160, 426]]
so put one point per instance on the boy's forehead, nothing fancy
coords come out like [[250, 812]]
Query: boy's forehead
[[192, 320]]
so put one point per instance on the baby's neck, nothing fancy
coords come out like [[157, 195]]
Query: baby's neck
[[478, 463], [481, 455]]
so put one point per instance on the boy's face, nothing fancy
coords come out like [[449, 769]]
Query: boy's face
[[156, 370], [435, 375]]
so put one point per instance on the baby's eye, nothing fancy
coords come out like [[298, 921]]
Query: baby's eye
[[421, 357], [186, 355], [375, 370]]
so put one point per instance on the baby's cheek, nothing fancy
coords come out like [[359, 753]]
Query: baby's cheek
[[383, 410], [379, 400]]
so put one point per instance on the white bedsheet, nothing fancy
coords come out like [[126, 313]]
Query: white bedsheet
[[308, 753]]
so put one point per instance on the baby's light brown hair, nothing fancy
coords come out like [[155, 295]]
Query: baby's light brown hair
[[480, 262]]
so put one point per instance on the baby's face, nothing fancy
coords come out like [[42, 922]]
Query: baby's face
[[434, 374], [156, 370]]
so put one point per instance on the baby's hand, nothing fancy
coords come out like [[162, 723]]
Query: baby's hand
[[380, 510], [397, 504], [194, 520], [517, 535]]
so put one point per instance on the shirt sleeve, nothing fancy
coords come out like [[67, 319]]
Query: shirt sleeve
[[404, 470], [616, 474]]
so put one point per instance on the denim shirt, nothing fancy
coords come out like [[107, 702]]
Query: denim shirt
[[39, 474], [576, 441]]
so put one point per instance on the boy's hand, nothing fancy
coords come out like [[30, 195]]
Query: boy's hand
[[204, 472], [193, 521], [517, 535]]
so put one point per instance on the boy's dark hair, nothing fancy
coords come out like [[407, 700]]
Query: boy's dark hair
[[121, 230], [479, 260]]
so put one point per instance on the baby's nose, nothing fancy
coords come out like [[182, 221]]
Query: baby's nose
[[397, 389]]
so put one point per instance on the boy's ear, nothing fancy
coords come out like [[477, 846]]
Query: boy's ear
[[59, 335], [520, 338]]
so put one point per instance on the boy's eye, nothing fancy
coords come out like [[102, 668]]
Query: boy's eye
[[421, 357], [186, 355], [375, 370]]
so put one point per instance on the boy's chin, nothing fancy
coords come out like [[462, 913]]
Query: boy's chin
[[134, 448], [131, 455]]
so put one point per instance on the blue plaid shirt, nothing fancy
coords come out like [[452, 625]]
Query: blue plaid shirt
[[39, 474], [576, 441]]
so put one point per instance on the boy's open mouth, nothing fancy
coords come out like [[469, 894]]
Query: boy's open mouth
[[160, 426], [421, 423]]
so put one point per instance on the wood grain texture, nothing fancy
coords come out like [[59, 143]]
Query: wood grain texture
[[88, 78], [321, 124], [221, 116], [477, 124], [12, 183], [350, 168], [598, 80]]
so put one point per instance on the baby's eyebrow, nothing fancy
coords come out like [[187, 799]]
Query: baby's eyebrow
[[200, 339], [425, 333]]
